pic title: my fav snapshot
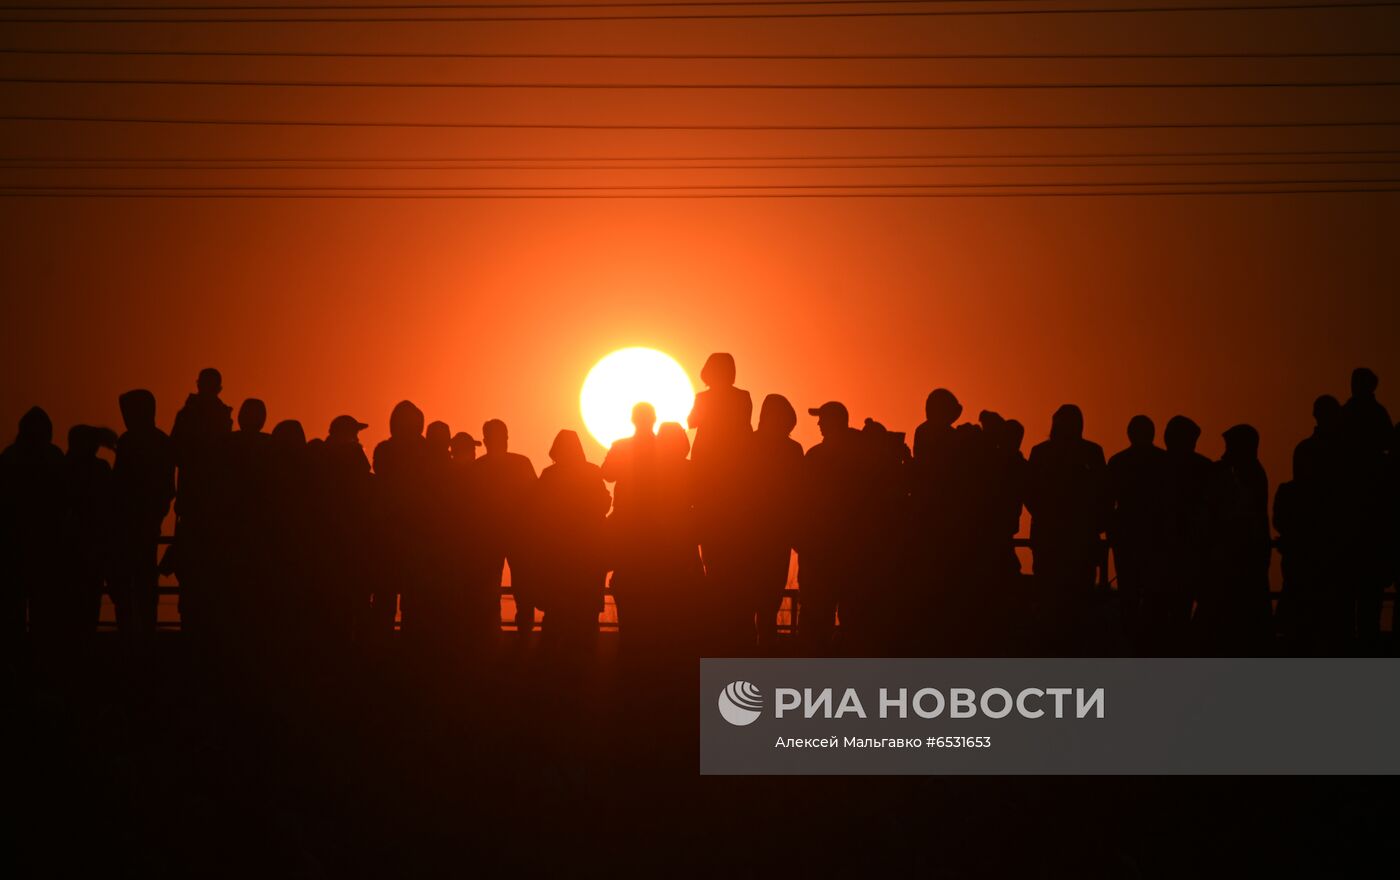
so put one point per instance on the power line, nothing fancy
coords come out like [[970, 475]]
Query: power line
[[572, 126], [627, 4], [638, 56], [774, 187], [681, 86], [627, 16], [717, 158], [1247, 163], [4, 193]]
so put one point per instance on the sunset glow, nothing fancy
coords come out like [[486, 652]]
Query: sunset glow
[[627, 377]]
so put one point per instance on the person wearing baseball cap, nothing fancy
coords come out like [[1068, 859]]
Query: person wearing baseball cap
[[831, 415], [831, 550], [345, 428], [463, 447]]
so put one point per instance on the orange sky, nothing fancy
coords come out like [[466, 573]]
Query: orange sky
[[1225, 308]]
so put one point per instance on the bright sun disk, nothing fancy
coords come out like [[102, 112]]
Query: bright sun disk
[[627, 377]]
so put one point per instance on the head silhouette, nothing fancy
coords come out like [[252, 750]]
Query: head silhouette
[[1306, 466], [464, 446], [35, 428], [405, 421], [567, 449], [252, 415], [345, 429], [138, 408], [1241, 443], [1141, 431], [643, 418], [776, 416], [719, 370], [1067, 423], [85, 440], [833, 418], [1327, 411], [1364, 382], [439, 437], [941, 407], [495, 436], [874, 428], [210, 382], [671, 442], [991, 422], [1013, 435], [288, 434], [1181, 434]]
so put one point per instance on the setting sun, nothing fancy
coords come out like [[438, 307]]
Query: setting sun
[[627, 377]]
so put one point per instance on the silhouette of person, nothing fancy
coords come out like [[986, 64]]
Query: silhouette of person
[[1314, 608], [1324, 448], [1233, 610], [247, 589], [476, 570], [837, 511], [1012, 476], [876, 613], [1138, 480], [463, 448], [722, 418], [1068, 501], [1365, 420], [439, 438], [344, 521], [505, 484], [143, 487], [1167, 616], [198, 436], [283, 602], [401, 470], [31, 512], [443, 588], [952, 511], [676, 492], [674, 570], [569, 512], [773, 489], [1365, 556], [631, 465], [88, 512]]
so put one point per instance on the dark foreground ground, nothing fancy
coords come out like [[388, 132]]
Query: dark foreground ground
[[513, 763]]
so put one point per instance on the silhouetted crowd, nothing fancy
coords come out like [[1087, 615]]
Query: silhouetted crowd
[[314, 548]]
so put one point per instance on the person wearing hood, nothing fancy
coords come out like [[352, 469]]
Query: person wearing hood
[[1069, 504], [1069, 501], [568, 515], [837, 508]]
